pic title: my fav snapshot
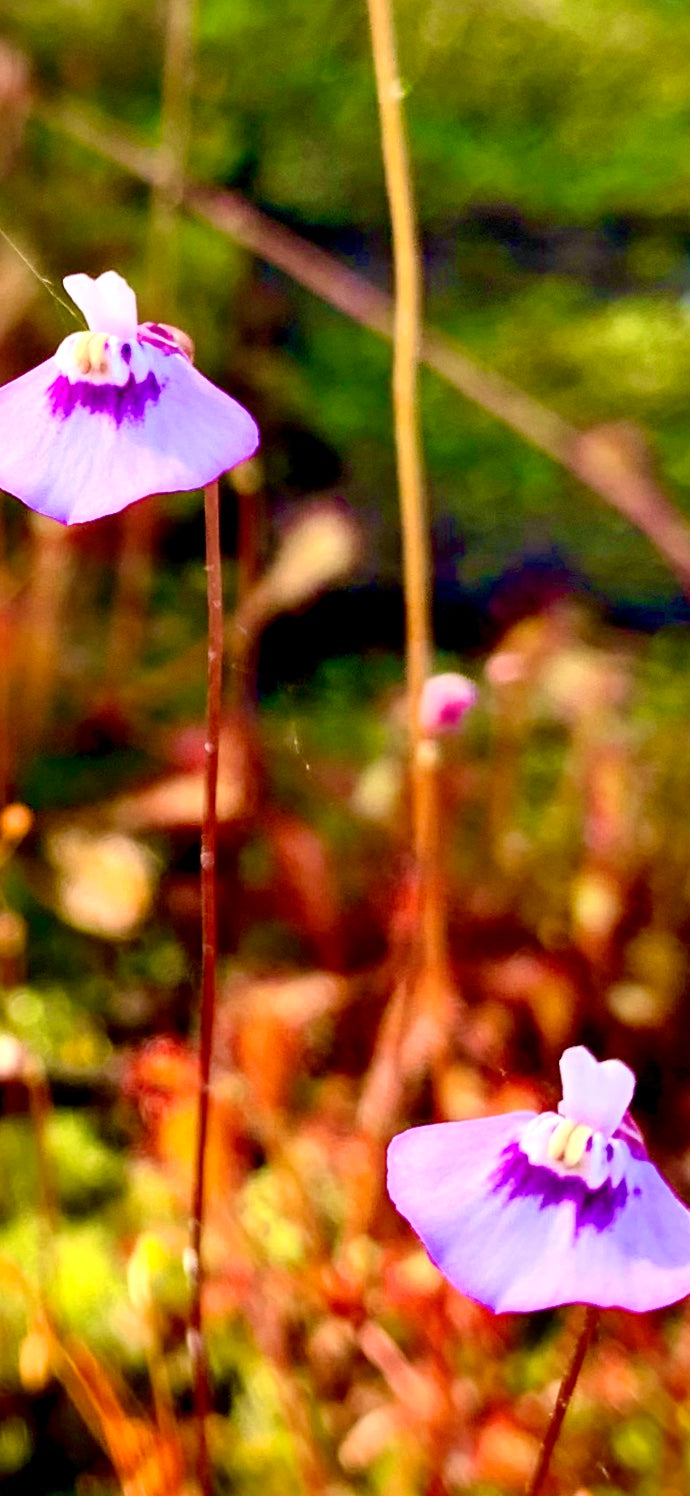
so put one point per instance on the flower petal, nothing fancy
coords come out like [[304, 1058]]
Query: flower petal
[[94, 460], [439, 1177], [108, 303], [643, 1261], [595, 1094], [531, 1244]]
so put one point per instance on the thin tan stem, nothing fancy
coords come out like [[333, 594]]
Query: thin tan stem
[[431, 959], [423, 999], [566, 1390], [209, 938], [433, 911], [407, 332]]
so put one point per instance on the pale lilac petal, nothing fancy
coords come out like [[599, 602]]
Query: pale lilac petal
[[520, 1238], [91, 462], [439, 1177], [108, 303], [642, 1260], [596, 1094]]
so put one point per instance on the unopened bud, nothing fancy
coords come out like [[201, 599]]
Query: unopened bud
[[444, 701], [166, 333]]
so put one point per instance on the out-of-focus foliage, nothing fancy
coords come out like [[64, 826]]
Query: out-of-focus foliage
[[336, 1349], [546, 138], [502, 98], [549, 141]]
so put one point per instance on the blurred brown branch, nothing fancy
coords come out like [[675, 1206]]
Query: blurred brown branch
[[18, 288], [613, 461]]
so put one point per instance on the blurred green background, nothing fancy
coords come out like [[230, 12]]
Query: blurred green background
[[549, 141]]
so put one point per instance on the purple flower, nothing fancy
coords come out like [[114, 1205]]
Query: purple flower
[[118, 412], [527, 1211]]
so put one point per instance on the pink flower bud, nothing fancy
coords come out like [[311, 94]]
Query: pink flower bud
[[444, 701]]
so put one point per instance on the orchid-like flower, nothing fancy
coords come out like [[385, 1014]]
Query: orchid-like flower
[[526, 1211], [118, 412]]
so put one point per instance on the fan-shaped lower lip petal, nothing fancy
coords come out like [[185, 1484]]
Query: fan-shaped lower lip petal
[[507, 1242], [79, 454]]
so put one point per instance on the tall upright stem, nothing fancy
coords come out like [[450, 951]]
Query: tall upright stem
[[209, 954], [406, 349], [565, 1393]]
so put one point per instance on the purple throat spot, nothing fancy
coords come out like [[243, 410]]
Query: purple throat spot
[[121, 402], [519, 1179]]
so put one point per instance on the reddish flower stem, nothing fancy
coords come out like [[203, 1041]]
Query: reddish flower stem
[[566, 1390], [209, 955]]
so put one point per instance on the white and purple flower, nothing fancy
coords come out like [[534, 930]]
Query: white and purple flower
[[527, 1211], [119, 412]]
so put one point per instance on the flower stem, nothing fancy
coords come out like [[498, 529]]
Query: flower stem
[[565, 1393], [209, 939], [407, 332], [407, 337]]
